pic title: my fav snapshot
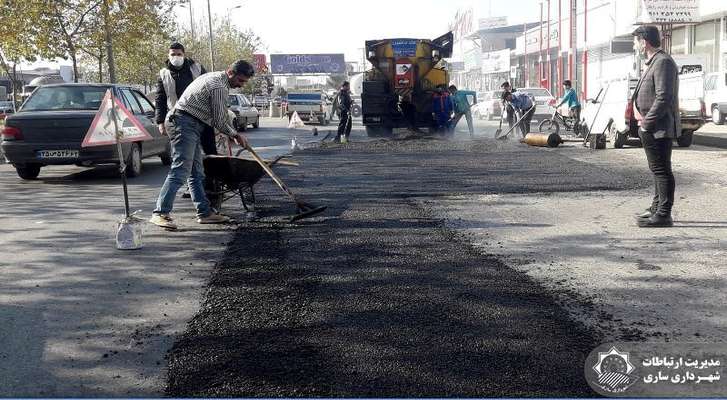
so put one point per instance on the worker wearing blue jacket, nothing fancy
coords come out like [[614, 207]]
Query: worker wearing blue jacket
[[571, 98], [524, 105], [442, 107], [462, 107]]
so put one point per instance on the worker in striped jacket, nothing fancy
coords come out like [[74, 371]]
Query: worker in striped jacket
[[203, 105]]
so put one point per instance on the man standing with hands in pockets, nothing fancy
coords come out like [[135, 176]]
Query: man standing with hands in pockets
[[203, 105], [656, 108]]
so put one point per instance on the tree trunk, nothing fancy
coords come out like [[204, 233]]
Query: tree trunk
[[72, 53], [109, 45], [100, 65]]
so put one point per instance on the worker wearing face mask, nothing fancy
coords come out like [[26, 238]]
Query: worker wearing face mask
[[174, 78]]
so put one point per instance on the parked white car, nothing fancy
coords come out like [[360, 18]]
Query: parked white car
[[245, 112], [543, 102], [715, 96], [489, 105]]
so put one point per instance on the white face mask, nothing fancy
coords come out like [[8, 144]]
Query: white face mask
[[177, 61]]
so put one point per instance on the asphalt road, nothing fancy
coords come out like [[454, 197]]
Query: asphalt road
[[441, 268], [81, 318], [378, 297]]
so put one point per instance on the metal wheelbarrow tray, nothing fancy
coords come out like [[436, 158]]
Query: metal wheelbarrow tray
[[229, 177]]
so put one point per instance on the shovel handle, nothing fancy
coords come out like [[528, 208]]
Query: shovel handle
[[270, 172]]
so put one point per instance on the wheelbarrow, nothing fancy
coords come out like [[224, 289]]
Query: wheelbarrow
[[230, 177]]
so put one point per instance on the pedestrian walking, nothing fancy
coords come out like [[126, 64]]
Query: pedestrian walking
[[203, 105], [462, 107], [522, 103], [344, 107], [656, 110]]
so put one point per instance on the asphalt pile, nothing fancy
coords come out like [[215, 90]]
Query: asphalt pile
[[376, 298]]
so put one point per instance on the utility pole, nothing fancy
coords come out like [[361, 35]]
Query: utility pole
[[209, 20], [109, 43], [191, 19]]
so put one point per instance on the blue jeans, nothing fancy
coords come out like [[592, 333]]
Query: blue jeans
[[184, 132]]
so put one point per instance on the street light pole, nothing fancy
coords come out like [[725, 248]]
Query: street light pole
[[191, 19], [209, 20]]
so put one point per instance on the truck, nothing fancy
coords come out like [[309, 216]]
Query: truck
[[397, 92], [310, 106], [613, 111]]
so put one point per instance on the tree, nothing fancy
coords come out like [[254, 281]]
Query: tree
[[70, 22], [21, 36], [139, 31]]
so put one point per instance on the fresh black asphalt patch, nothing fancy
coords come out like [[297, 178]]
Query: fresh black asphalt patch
[[376, 298]]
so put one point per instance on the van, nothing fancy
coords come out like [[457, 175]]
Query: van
[[715, 96]]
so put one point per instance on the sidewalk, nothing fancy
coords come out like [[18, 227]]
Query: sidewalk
[[711, 135]]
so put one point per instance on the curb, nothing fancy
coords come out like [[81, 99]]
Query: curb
[[711, 139]]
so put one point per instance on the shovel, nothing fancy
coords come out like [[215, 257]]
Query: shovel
[[515, 124], [502, 114], [304, 210]]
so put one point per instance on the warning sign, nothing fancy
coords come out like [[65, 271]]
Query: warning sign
[[104, 131]]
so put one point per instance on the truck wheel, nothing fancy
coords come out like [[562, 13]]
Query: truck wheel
[[717, 116], [133, 162], [685, 140], [28, 171], [378, 131], [356, 111]]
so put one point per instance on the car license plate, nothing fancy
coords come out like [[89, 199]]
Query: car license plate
[[57, 154]]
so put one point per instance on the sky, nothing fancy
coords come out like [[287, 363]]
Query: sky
[[325, 26], [340, 26]]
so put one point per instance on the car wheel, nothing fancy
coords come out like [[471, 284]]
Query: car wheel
[[243, 125], [256, 124], [717, 116], [28, 171], [685, 140], [133, 162], [166, 157]]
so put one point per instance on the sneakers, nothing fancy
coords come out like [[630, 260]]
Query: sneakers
[[163, 220], [213, 218]]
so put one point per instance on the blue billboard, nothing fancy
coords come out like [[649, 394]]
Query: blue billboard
[[307, 64]]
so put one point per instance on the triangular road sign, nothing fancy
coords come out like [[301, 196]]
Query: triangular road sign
[[103, 130]]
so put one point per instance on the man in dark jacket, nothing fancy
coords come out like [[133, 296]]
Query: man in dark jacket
[[656, 109], [174, 78], [344, 105], [507, 109]]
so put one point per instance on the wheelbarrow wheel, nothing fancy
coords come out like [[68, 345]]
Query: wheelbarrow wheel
[[247, 196], [216, 195]]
